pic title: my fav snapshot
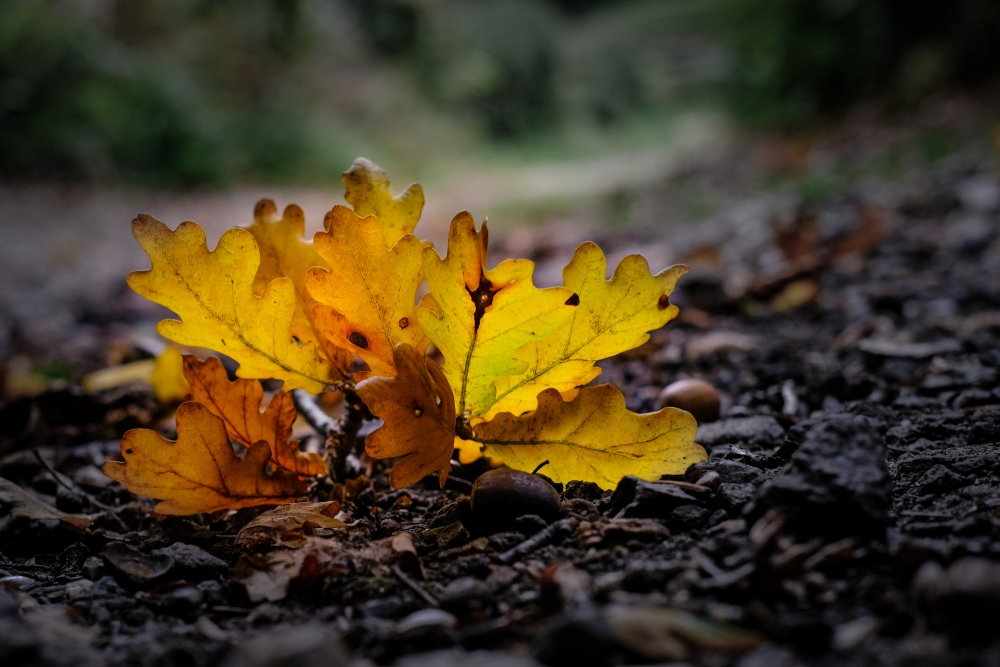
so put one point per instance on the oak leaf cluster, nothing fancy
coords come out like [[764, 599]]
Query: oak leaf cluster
[[513, 384]]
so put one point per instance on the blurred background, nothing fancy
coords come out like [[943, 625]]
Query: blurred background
[[577, 117]]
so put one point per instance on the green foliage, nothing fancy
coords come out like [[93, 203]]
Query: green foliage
[[165, 92], [795, 61]]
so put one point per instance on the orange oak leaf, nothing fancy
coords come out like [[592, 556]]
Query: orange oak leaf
[[368, 193], [285, 252], [418, 412], [238, 404], [367, 297], [200, 472]]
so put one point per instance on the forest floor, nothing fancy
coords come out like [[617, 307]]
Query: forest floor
[[848, 513]]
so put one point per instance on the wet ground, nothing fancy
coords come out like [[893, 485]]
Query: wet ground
[[849, 512]]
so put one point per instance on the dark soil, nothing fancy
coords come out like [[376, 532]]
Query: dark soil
[[849, 512]]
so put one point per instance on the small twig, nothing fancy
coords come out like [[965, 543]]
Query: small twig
[[539, 539], [341, 436], [319, 420], [417, 588], [65, 482]]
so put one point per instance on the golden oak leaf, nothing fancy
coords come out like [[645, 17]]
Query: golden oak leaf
[[593, 438], [284, 251], [418, 412], [212, 293], [477, 317], [368, 295], [200, 472], [613, 316], [368, 193], [238, 404], [167, 377]]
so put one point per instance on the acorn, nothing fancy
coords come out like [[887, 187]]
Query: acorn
[[696, 396], [502, 495]]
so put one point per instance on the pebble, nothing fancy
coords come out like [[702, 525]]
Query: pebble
[[688, 517], [192, 562], [137, 565], [638, 498], [502, 495], [460, 658], [731, 472], [964, 598], [836, 482], [740, 429], [939, 478], [698, 397], [576, 637], [426, 618], [465, 594]]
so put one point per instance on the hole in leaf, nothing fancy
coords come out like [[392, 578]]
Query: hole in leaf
[[404, 322], [664, 302], [573, 300], [128, 451], [417, 412], [359, 340]]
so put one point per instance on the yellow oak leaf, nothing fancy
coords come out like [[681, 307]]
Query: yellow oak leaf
[[212, 293], [284, 251], [367, 296], [613, 316], [418, 414], [238, 404], [200, 472], [593, 438], [167, 376], [478, 317], [368, 193]]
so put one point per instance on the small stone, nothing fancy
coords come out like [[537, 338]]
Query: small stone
[[698, 397], [707, 478], [179, 598], [583, 490], [192, 562], [466, 594], [688, 517], [734, 496], [578, 636], [731, 472], [137, 565], [71, 501], [427, 618], [938, 479], [643, 576], [740, 429], [638, 498], [500, 496], [445, 537], [836, 482], [529, 524], [93, 568]]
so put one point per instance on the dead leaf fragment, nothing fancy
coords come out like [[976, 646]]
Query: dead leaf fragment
[[238, 404], [418, 411], [593, 438], [268, 577], [24, 504], [200, 472], [270, 526]]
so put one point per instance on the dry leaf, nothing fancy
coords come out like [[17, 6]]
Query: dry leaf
[[24, 504], [212, 293], [369, 293], [418, 412], [593, 438], [285, 252], [268, 577], [368, 193], [200, 472], [477, 317], [612, 316], [238, 404], [269, 526]]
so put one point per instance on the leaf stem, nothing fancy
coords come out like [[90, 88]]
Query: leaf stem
[[340, 435]]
